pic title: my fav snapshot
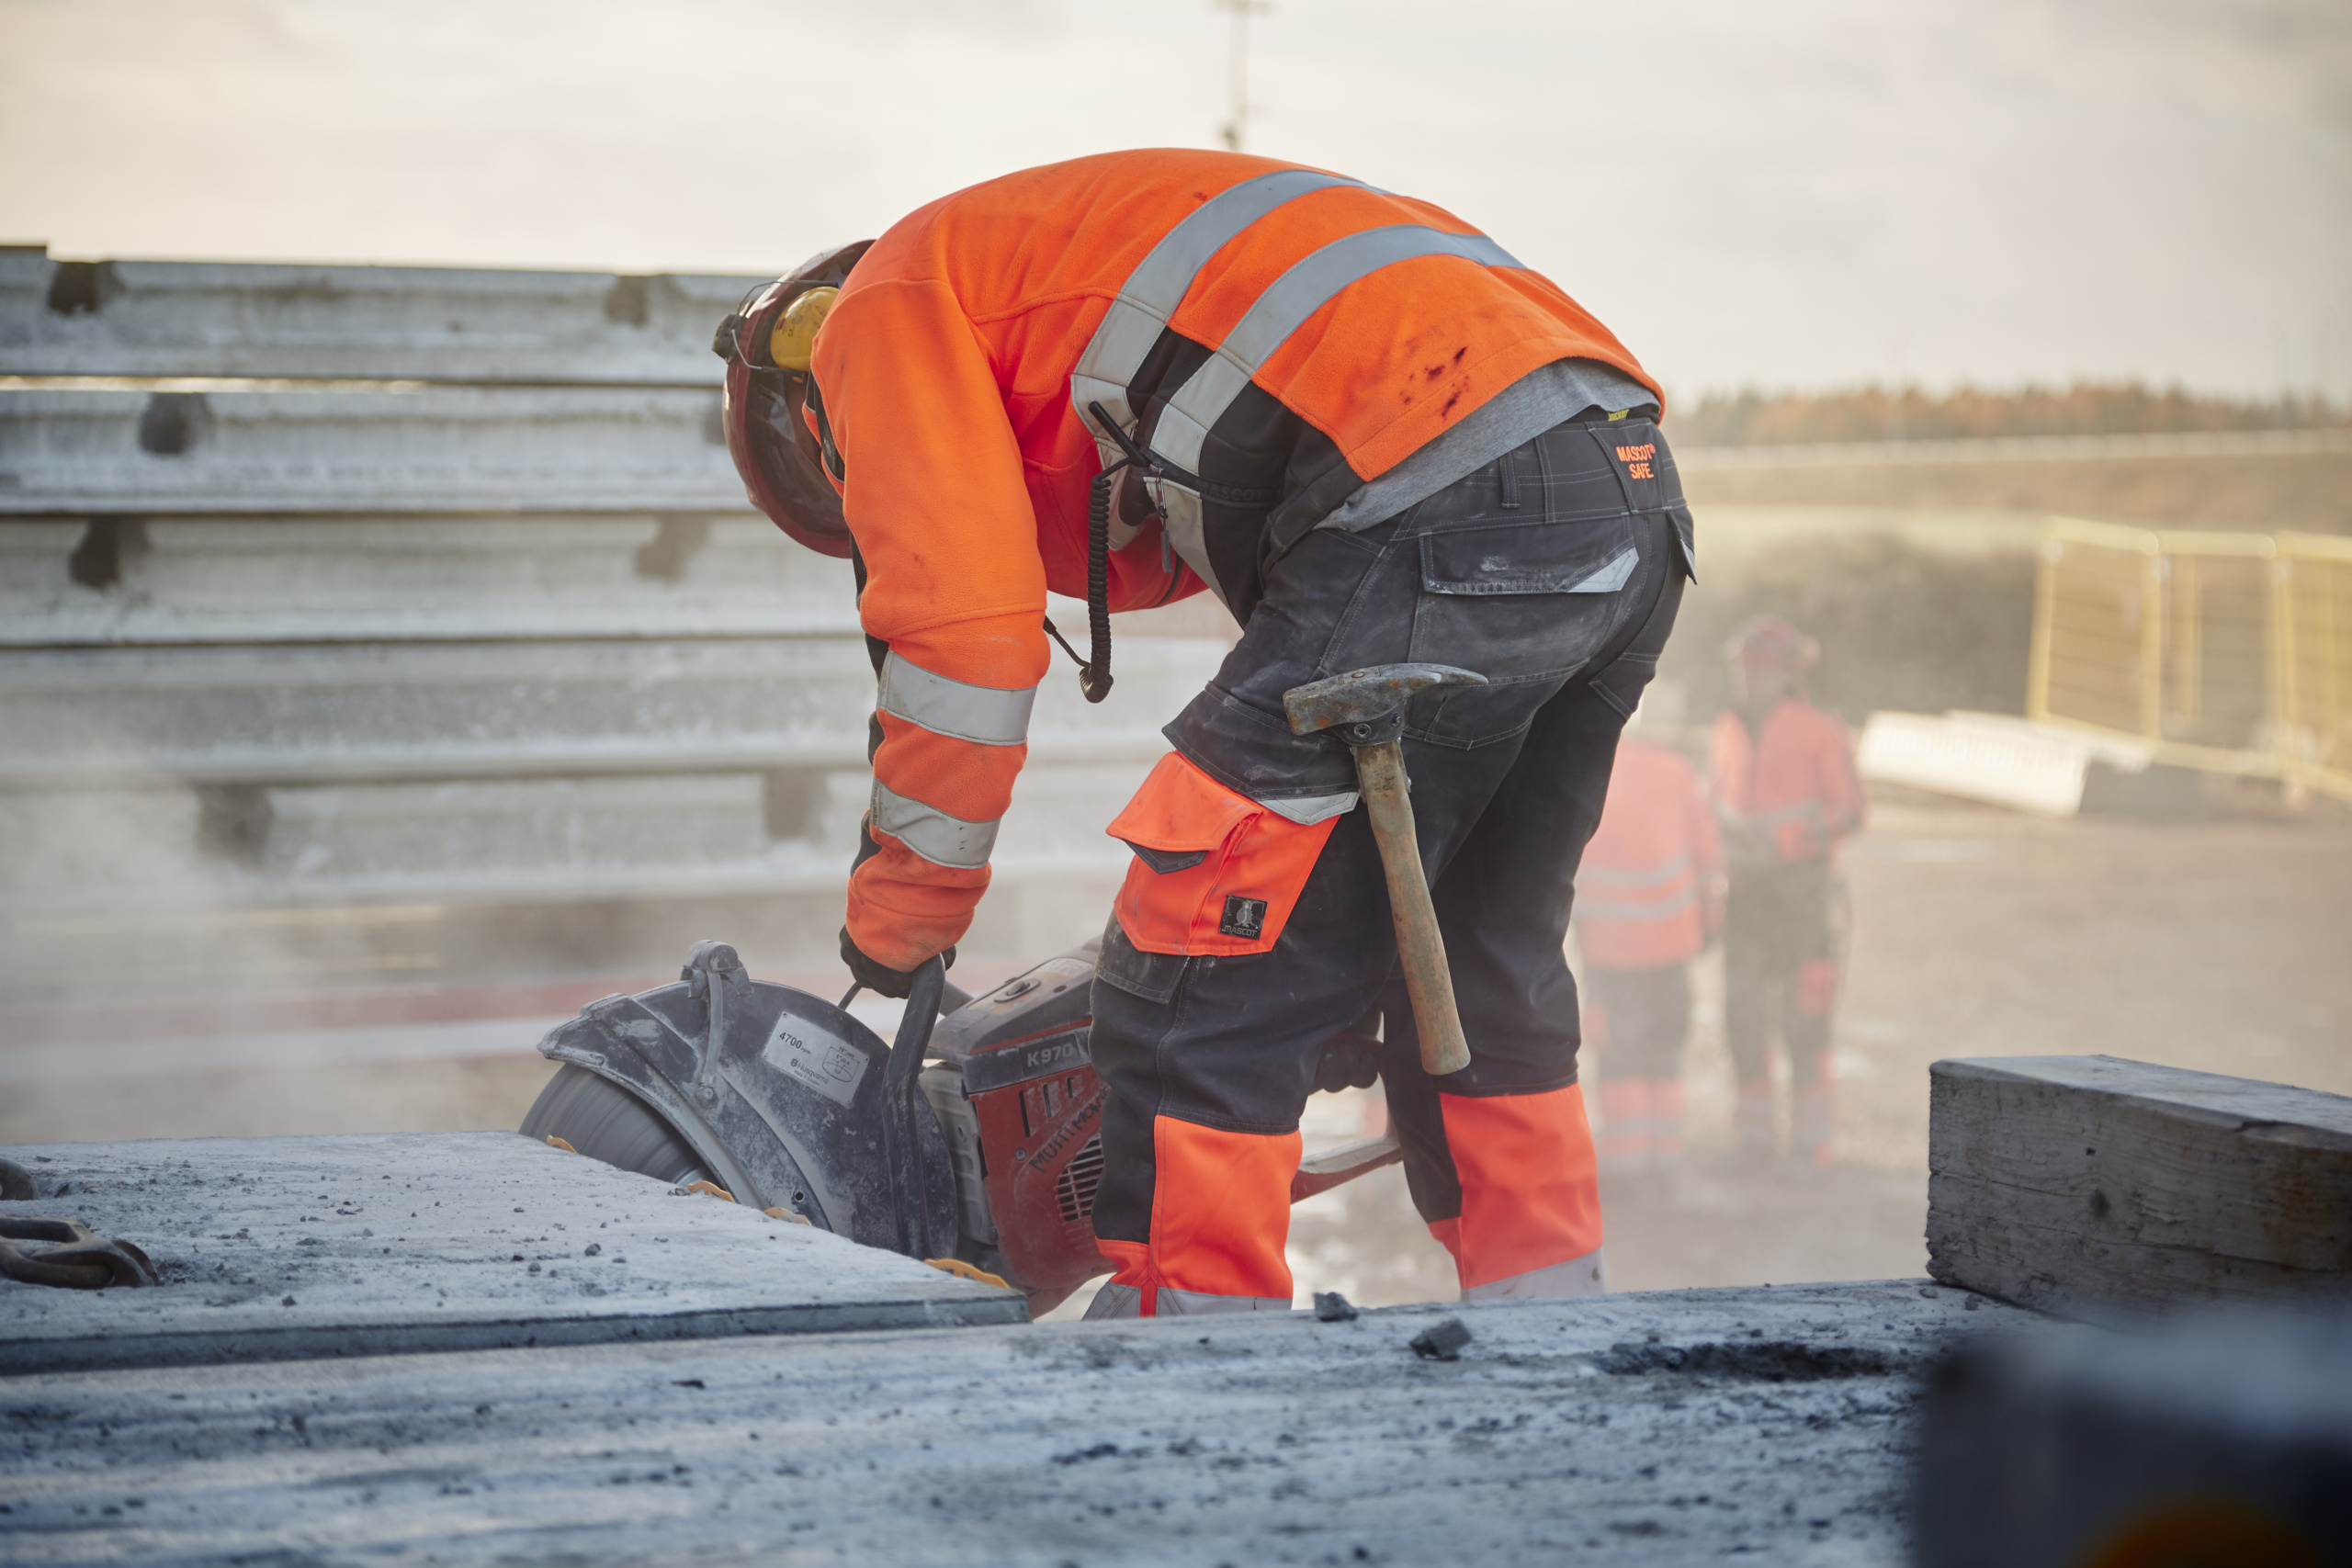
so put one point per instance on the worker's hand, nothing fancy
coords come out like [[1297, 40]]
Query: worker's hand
[[879, 977], [1348, 1061]]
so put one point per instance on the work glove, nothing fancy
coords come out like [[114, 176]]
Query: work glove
[[879, 977], [1348, 1061]]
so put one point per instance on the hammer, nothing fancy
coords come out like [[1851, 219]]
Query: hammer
[[1367, 708]]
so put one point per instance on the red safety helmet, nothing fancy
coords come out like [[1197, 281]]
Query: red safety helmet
[[1771, 643], [785, 465]]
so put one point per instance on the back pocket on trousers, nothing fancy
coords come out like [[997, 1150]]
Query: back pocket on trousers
[[1531, 557]]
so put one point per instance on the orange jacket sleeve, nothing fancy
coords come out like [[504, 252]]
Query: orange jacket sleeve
[[933, 488]]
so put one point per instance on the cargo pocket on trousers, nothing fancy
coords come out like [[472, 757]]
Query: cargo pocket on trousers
[[1215, 872]]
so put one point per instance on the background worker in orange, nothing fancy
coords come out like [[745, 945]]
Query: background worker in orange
[[1374, 435], [1649, 898], [1787, 793]]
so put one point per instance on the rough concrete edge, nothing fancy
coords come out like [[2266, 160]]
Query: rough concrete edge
[[21, 1358]]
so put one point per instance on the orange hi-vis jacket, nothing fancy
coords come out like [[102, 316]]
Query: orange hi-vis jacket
[[1789, 793], [1647, 889], [1276, 335]]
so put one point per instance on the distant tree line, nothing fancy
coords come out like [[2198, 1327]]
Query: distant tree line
[[1908, 414]]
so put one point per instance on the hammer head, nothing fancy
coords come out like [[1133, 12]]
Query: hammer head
[[1369, 703]]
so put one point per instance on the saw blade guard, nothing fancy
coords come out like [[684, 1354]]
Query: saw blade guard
[[781, 1098]]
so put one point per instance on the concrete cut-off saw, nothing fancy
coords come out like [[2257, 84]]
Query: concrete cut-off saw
[[975, 1136]]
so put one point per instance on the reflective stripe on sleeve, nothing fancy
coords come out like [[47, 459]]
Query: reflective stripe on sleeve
[[931, 832], [988, 715]]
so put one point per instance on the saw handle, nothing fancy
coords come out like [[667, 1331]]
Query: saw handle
[[901, 1146], [950, 996]]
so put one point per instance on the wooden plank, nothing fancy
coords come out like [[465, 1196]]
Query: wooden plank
[[2087, 1184]]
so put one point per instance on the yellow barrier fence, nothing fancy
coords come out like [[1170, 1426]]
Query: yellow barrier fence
[[2228, 652]]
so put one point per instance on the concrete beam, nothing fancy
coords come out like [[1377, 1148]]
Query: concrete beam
[[430, 448], [2088, 1184], [1680, 1426], [217, 319], [278, 1249]]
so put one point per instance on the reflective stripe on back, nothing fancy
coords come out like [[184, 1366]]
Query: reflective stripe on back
[[931, 832], [990, 716], [1282, 309], [1160, 281]]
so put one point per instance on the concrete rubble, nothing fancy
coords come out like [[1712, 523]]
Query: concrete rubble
[[287, 1248], [1770, 1424]]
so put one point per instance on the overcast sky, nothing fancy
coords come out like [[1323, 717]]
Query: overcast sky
[[1803, 193]]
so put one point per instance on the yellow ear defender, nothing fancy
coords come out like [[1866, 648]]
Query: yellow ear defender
[[792, 343]]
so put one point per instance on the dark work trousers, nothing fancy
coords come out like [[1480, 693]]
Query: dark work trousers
[[1649, 1017], [1556, 572], [1777, 939]]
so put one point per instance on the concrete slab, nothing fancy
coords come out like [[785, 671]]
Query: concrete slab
[[1770, 1424], [279, 1249]]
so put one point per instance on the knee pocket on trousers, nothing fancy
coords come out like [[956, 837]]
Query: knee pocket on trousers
[[1215, 872]]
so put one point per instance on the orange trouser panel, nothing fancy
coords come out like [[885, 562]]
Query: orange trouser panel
[[1530, 1188], [1220, 1210]]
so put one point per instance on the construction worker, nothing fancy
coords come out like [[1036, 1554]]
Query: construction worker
[[1787, 794], [1374, 435], [1649, 898]]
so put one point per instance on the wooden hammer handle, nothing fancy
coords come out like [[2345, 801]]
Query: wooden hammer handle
[[1381, 771]]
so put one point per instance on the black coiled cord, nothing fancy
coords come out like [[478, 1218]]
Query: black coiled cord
[[1094, 677]]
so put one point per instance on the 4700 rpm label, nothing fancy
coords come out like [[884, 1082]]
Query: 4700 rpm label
[[832, 1067]]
